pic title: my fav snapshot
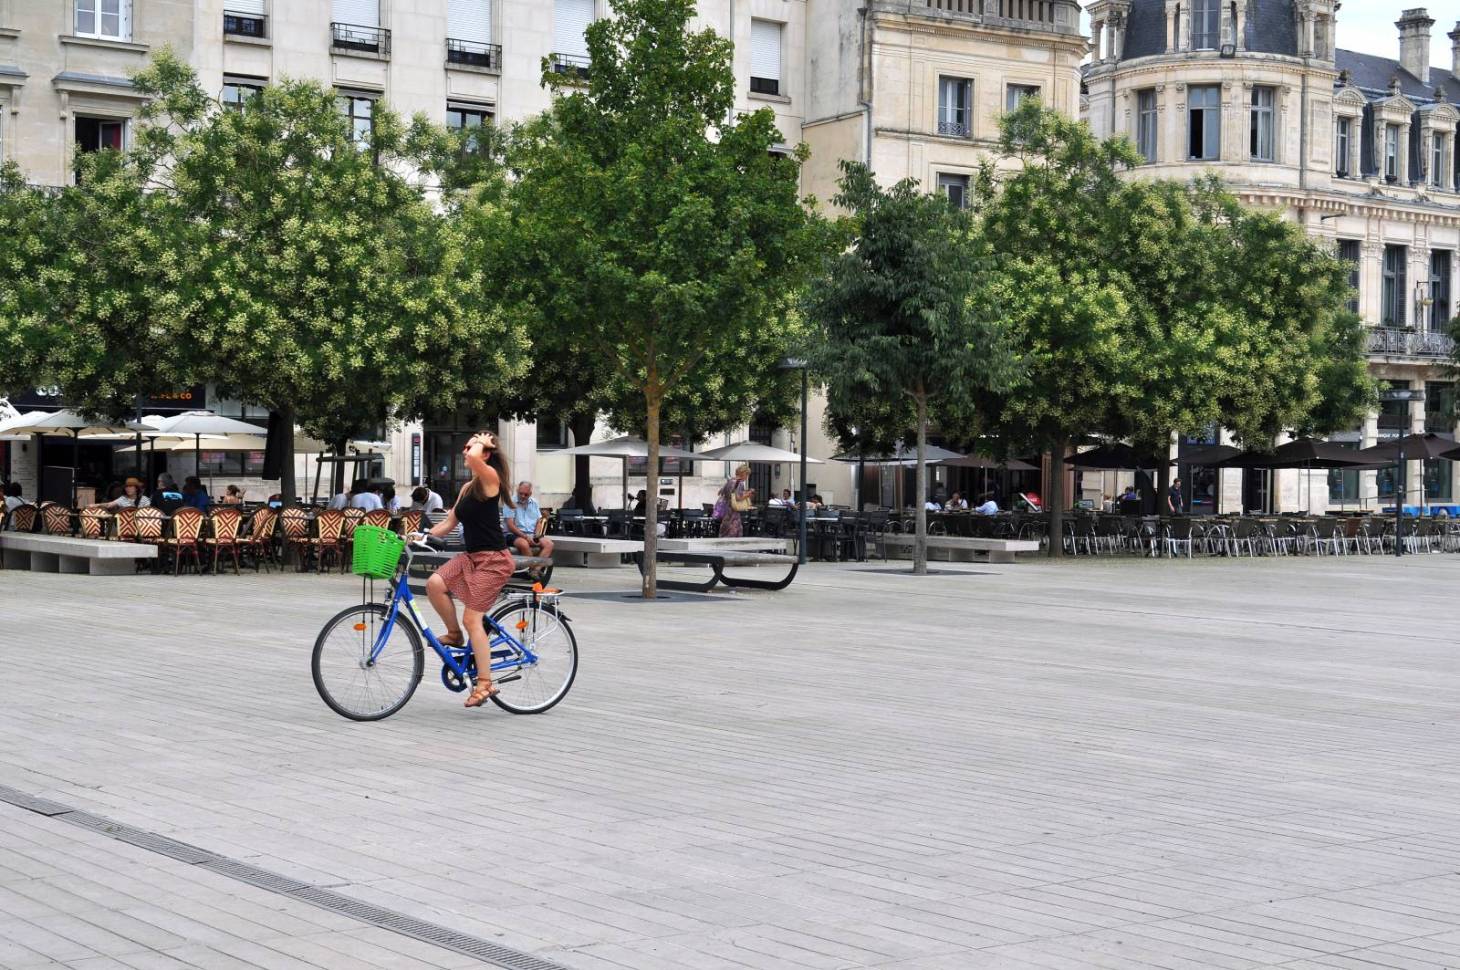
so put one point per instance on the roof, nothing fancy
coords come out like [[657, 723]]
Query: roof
[[1272, 28], [1371, 74], [103, 80]]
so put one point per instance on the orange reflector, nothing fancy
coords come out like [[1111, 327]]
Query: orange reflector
[[522, 624], [359, 626], [537, 587]]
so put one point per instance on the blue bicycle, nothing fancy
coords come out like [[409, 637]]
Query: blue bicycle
[[368, 659]]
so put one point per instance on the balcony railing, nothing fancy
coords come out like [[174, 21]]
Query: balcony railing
[[1060, 16], [473, 54], [355, 38], [570, 64], [245, 25], [954, 129], [1390, 342]]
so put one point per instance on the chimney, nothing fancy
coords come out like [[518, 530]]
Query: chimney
[[1454, 36], [1414, 42]]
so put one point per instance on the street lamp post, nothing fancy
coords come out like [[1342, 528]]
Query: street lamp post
[[798, 363]]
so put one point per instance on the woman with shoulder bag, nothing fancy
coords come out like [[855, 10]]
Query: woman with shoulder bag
[[736, 497]]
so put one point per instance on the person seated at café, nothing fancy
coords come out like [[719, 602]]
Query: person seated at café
[[131, 497], [276, 501], [341, 499], [362, 496], [232, 495], [816, 504], [168, 497], [389, 499], [955, 503], [521, 522], [425, 500], [195, 494], [987, 505], [933, 505], [13, 496], [783, 501]]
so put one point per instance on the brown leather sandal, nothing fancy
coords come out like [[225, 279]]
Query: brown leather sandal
[[457, 639], [481, 692]]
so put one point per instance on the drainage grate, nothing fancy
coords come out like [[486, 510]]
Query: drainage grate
[[472, 946], [141, 838], [41, 806]]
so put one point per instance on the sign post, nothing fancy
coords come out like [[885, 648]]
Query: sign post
[[1406, 395]]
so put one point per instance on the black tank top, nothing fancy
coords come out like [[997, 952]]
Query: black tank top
[[481, 521]]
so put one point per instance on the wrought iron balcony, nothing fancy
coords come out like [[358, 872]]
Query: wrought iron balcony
[[1057, 16], [473, 54], [954, 129], [570, 64], [1391, 342], [359, 39], [245, 25]]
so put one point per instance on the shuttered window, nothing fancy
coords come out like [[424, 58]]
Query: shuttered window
[[570, 19], [469, 20], [254, 8], [361, 13], [765, 56]]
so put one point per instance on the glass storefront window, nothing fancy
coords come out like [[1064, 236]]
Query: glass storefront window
[[1343, 483], [1439, 479]]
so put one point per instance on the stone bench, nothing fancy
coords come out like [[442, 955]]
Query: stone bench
[[964, 547], [745, 544], [66, 554], [718, 560], [593, 552]]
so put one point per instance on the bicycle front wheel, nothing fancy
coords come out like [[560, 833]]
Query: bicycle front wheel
[[353, 678], [531, 687]]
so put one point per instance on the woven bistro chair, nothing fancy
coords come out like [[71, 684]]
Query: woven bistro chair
[[187, 532], [56, 519], [297, 527], [380, 518], [329, 538], [410, 521], [224, 535], [353, 519], [24, 518], [127, 525], [93, 523], [261, 542]]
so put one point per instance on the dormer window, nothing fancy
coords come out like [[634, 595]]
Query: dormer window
[[1206, 24], [1391, 152]]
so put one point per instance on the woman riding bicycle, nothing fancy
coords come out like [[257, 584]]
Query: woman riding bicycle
[[477, 576]]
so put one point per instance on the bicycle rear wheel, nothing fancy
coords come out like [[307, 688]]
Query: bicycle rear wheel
[[531, 688], [346, 678]]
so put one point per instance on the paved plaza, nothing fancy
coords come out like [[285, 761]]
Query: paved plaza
[[1108, 764]]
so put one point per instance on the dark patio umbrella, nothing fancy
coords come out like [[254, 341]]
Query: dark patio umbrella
[[1415, 447], [1302, 453], [1114, 457], [902, 454], [1214, 455]]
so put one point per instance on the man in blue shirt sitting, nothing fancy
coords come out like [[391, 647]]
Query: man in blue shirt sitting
[[523, 524], [194, 494]]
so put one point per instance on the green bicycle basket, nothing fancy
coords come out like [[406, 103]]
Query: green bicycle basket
[[377, 552]]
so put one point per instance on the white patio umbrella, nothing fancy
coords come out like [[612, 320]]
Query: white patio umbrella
[[625, 448], [757, 454], [61, 422]]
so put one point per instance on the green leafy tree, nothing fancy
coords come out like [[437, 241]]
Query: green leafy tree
[[324, 283], [663, 225], [88, 279], [905, 313]]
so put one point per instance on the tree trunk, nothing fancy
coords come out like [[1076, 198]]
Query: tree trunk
[[652, 400], [337, 473], [582, 426], [920, 508], [288, 491], [1056, 501]]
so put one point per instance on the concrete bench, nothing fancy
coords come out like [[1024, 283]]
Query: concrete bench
[[745, 544], [964, 547], [592, 551], [66, 554], [718, 561]]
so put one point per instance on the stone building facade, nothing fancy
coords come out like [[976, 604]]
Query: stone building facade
[[1358, 150], [913, 86]]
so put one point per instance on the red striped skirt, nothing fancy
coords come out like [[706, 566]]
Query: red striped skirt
[[475, 579]]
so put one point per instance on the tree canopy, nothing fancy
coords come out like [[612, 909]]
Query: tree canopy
[[664, 230], [905, 315]]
